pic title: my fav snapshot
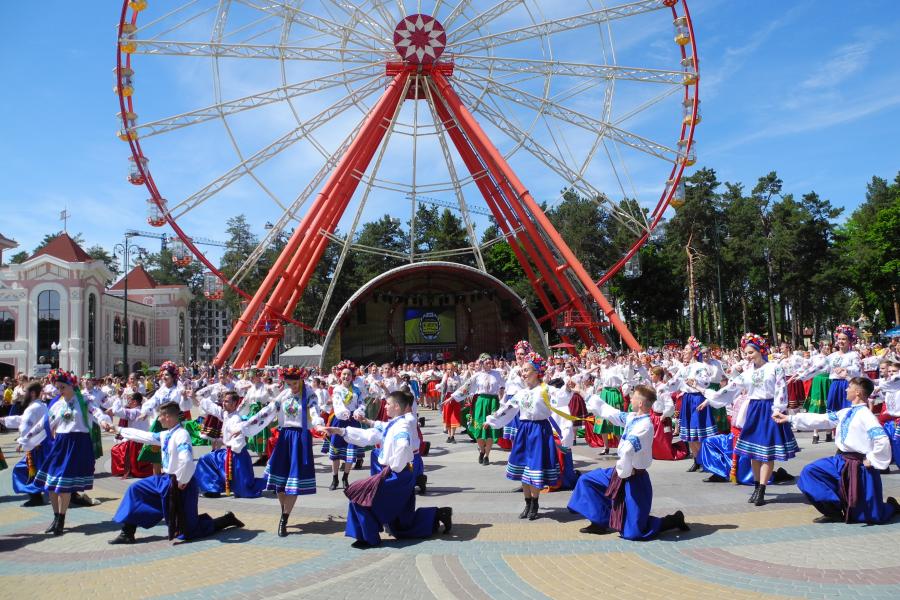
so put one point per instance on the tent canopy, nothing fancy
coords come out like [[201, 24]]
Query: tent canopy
[[302, 356]]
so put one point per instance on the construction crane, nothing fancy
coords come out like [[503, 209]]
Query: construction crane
[[443, 203], [163, 238]]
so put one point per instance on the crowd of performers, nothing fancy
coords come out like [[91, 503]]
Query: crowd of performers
[[733, 413]]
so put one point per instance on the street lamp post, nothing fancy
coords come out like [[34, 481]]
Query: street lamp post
[[126, 251], [206, 347], [54, 355]]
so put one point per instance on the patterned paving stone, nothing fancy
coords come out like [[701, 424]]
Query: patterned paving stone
[[733, 551]]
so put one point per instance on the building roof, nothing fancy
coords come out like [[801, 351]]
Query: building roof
[[138, 279], [6, 243], [64, 248]]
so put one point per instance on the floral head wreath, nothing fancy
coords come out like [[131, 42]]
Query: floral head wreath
[[524, 346], [696, 347], [253, 372], [537, 361], [60, 376], [758, 342], [847, 330], [293, 373], [169, 367], [346, 364], [483, 357]]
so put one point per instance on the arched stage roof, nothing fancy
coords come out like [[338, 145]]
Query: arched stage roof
[[430, 310]]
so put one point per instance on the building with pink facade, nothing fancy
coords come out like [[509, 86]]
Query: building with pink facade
[[57, 309]]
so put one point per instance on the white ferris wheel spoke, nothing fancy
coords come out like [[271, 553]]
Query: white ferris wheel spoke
[[573, 69], [259, 51], [351, 233], [588, 123], [273, 149], [185, 21], [355, 11], [455, 13], [454, 178], [549, 158], [483, 19], [291, 213], [277, 94], [345, 33], [595, 17]]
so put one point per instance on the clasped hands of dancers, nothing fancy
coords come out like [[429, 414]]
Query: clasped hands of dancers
[[618, 498]]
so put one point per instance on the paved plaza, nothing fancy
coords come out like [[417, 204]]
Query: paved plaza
[[733, 550]]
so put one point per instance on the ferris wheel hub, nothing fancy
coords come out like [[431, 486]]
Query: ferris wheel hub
[[420, 39]]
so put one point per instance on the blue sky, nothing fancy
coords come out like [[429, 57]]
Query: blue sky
[[810, 89]]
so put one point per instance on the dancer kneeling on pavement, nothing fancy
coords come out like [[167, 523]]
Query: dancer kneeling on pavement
[[762, 440], [173, 494], [620, 498], [532, 459], [388, 498], [847, 487]]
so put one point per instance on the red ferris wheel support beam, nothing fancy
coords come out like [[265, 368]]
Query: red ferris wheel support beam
[[494, 159], [287, 274], [522, 246]]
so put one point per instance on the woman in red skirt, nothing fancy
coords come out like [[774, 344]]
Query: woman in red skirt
[[450, 407]]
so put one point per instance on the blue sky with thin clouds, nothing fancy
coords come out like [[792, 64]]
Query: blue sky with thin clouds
[[810, 89]]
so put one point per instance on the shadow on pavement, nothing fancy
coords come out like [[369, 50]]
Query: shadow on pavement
[[461, 532], [446, 491], [698, 530], [326, 527]]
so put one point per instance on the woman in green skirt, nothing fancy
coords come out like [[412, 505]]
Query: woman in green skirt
[[485, 384], [610, 380]]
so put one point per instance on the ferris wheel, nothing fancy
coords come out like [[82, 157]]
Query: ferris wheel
[[312, 116]]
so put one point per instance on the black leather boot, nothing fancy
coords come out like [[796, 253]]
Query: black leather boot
[[754, 495], [282, 525], [526, 510], [52, 527], [444, 516], [694, 467], [533, 513], [674, 521], [345, 480], [334, 481], [761, 496], [226, 520], [60, 525], [421, 483], [126, 536]]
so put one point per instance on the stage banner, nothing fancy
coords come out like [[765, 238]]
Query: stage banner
[[430, 326]]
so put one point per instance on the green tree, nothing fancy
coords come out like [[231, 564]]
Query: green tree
[[19, 257]]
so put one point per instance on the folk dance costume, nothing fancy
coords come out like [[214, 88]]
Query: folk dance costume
[[819, 371], [792, 365], [151, 453], [98, 397], [24, 471], [387, 498], [696, 425], [841, 487], [611, 380], [125, 454], [513, 383], [229, 470], [159, 497], [450, 406], [211, 431], [291, 469], [68, 464], [485, 385], [889, 390], [761, 438], [664, 448], [345, 402], [533, 459], [256, 397], [620, 498]]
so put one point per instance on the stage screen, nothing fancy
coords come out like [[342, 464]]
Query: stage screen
[[430, 326]]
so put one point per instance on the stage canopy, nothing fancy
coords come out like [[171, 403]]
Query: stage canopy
[[430, 311]]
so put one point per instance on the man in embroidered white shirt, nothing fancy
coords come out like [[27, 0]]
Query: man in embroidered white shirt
[[173, 494]]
